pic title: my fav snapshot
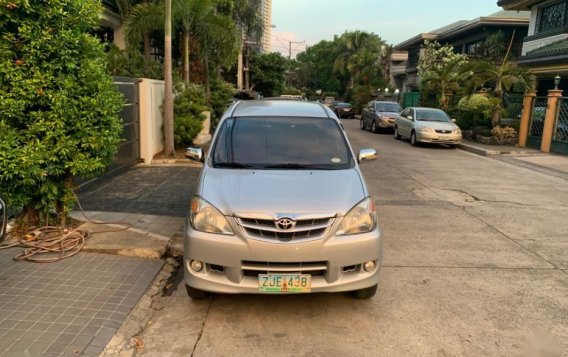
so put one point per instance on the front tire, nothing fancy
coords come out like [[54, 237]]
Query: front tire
[[366, 293], [374, 127], [396, 134], [361, 124], [197, 294], [413, 141]]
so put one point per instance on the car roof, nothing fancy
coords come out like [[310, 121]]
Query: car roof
[[426, 108], [294, 108], [385, 102]]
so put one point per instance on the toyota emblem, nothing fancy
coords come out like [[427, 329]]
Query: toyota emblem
[[285, 224]]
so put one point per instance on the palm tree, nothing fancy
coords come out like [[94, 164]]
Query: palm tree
[[189, 15], [358, 54], [218, 42], [446, 78], [168, 85], [501, 77], [141, 20]]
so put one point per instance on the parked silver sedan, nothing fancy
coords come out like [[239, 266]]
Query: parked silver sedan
[[427, 125]]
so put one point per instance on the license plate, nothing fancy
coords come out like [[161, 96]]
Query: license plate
[[444, 137], [285, 283], [346, 110]]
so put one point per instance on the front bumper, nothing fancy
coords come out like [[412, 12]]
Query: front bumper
[[436, 138], [385, 122], [226, 260]]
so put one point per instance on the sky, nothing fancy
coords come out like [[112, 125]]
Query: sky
[[395, 20]]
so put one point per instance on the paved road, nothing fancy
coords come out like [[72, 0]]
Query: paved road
[[475, 264]]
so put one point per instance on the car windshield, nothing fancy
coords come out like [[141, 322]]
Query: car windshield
[[343, 105], [432, 115], [281, 143], [388, 107]]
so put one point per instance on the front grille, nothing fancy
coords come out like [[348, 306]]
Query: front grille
[[304, 229], [253, 268], [443, 131]]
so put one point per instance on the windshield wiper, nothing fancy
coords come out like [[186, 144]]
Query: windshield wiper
[[232, 165], [295, 166]]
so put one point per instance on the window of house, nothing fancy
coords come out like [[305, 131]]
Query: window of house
[[552, 17]]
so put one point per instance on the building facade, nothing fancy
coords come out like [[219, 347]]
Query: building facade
[[467, 37], [545, 48], [266, 13]]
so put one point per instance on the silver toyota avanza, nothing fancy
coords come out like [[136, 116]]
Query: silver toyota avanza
[[281, 206]]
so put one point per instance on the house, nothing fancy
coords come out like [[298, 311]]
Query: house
[[467, 37], [545, 53], [112, 29], [545, 49]]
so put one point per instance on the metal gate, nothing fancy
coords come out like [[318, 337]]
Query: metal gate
[[411, 99], [537, 122], [560, 137], [129, 149]]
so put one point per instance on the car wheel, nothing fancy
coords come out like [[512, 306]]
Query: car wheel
[[361, 124], [197, 294], [396, 134], [413, 141], [374, 127], [366, 293]]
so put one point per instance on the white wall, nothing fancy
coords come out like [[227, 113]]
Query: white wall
[[151, 94]]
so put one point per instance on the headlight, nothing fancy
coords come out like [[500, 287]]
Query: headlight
[[424, 129], [360, 219], [206, 218], [457, 131]]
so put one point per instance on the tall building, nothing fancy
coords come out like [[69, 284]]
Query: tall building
[[266, 13]]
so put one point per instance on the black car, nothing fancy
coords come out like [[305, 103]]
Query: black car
[[343, 110], [379, 115]]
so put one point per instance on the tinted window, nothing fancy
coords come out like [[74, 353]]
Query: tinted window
[[432, 115], [280, 142], [343, 105], [388, 107]]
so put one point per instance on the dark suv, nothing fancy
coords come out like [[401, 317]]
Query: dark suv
[[343, 110], [379, 115]]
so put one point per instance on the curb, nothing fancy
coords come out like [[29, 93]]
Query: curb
[[478, 150], [177, 162]]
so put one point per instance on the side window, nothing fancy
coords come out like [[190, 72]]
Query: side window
[[404, 113], [411, 112]]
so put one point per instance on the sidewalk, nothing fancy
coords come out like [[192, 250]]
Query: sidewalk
[[552, 164]]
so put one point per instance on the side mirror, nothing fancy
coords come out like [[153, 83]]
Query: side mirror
[[3, 219], [453, 120], [410, 117], [195, 154], [366, 155]]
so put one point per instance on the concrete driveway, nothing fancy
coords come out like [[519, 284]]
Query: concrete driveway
[[475, 264]]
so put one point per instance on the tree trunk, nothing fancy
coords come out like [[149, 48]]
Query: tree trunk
[[207, 82], [185, 56], [30, 215], [146, 46], [168, 87]]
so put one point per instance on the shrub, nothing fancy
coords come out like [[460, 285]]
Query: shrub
[[504, 132], [132, 64], [475, 103], [59, 108], [189, 106], [221, 95]]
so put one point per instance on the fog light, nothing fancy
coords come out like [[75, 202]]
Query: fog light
[[369, 266], [196, 265]]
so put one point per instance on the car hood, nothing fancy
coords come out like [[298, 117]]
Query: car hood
[[437, 125], [389, 114], [282, 192]]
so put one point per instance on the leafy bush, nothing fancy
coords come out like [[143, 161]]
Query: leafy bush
[[189, 106], [59, 108], [361, 96], [504, 132], [221, 95], [132, 64], [475, 103]]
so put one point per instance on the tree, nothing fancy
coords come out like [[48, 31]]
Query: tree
[[168, 85], [58, 105], [268, 73], [441, 70], [140, 20], [358, 53]]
